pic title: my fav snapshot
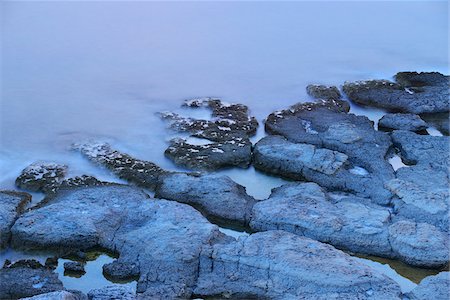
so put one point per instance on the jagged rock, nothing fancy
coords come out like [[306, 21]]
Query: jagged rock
[[228, 133], [112, 292], [330, 169], [12, 205], [59, 295], [435, 287], [422, 189], [27, 278], [215, 195], [305, 209], [163, 238], [280, 265], [41, 176], [324, 92], [408, 122], [419, 244], [140, 172], [211, 156], [426, 92], [326, 124], [74, 266]]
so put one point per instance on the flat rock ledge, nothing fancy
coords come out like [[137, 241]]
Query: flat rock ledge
[[409, 122], [417, 93], [227, 135]]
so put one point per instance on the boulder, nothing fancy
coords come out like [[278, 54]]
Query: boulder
[[41, 176], [215, 195], [12, 204], [426, 92], [74, 266], [324, 92], [409, 122], [27, 278], [432, 287], [162, 238], [281, 265]]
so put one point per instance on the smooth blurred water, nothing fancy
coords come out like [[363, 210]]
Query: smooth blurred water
[[101, 70]]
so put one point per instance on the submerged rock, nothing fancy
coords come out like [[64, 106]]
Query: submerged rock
[[12, 204], [228, 132], [408, 122], [27, 278], [422, 189], [112, 292], [280, 265], [435, 287], [163, 238], [426, 92], [141, 172], [215, 195], [324, 92], [41, 176]]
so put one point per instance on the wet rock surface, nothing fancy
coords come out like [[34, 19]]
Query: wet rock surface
[[422, 189], [319, 91], [408, 122], [280, 265], [215, 195], [426, 92], [41, 176], [228, 132], [433, 287], [141, 172], [162, 238], [12, 205], [27, 278], [74, 266]]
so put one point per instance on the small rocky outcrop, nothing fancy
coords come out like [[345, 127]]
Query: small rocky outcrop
[[112, 292], [162, 238], [74, 267], [421, 190], [327, 124], [228, 132], [324, 92], [435, 287], [41, 176], [27, 278], [280, 265], [426, 92], [215, 195], [409, 122], [12, 204], [141, 172]]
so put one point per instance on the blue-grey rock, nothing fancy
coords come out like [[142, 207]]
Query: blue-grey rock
[[12, 205], [319, 91], [41, 176], [426, 92], [435, 287], [113, 292], [410, 122], [281, 265], [59, 295], [74, 266]]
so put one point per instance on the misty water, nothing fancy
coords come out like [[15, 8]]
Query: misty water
[[76, 71]]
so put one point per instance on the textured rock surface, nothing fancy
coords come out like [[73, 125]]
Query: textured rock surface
[[11, 205], [162, 238], [228, 132], [433, 287], [280, 265], [324, 92], [422, 189], [41, 176], [419, 244], [141, 172], [26, 279], [112, 292], [326, 124], [408, 122], [215, 195], [413, 92], [305, 209], [440, 121], [328, 168], [60, 295], [74, 266]]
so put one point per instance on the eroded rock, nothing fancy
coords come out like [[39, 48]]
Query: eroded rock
[[41, 176], [112, 292], [410, 122], [435, 287], [426, 92], [12, 204], [324, 92], [59, 295], [280, 265]]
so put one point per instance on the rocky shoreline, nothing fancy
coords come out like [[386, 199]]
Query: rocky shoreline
[[344, 195]]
